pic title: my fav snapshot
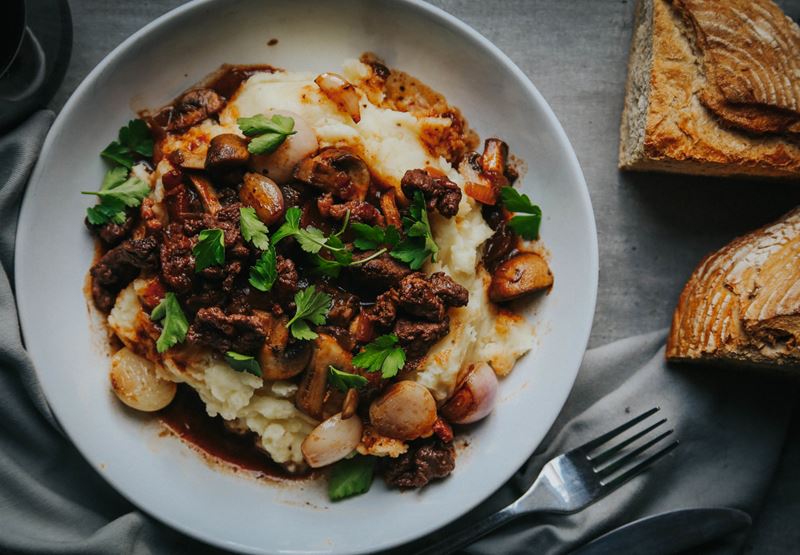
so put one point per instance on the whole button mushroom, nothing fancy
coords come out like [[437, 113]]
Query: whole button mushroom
[[264, 195], [519, 275], [226, 151]]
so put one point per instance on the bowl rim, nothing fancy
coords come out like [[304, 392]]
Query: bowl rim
[[583, 329]]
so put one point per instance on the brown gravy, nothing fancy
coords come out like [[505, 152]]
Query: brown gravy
[[186, 417]]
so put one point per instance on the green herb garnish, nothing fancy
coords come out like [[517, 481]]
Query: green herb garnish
[[243, 363], [312, 306], [173, 322], [209, 250], [382, 355], [253, 229], [268, 134], [264, 272], [344, 380], [370, 237], [525, 226], [418, 245], [134, 139], [351, 477], [117, 192]]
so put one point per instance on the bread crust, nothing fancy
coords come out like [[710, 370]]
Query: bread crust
[[742, 303], [680, 133]]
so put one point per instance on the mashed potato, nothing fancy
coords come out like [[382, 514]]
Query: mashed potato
[[391, 143]]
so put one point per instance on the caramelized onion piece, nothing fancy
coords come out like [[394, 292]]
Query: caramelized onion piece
[[340, 92], [263, 194], [519, 275], [406, 411], [135, 382], [474, 397], [495, 155], [280, 164], [332, 440]]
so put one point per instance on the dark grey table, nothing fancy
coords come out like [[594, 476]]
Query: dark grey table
[[653, 229]]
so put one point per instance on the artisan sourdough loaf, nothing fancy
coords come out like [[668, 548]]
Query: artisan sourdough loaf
[[742, 303], [713, 88]]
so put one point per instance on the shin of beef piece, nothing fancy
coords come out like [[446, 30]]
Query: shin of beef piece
[[417, 337], [192, 108], [417, 298], [177, 260], [423, 462], [384, 312], [241, 333], [450, 292], [360, 211], [344, 305], [384, 270], [119, 266], [112, 234], [227, 219], [287, 283], [440, 192]]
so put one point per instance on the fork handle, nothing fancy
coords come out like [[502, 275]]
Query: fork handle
[[471, 533]]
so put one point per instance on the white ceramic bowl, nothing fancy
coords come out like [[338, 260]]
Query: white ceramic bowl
[[163, 476]]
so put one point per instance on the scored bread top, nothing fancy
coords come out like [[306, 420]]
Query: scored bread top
[[680, 133], [742, 303], [750, 53]]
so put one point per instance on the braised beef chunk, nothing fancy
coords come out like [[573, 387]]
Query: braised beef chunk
[[177, 260], [119, 266], [112, 234], [450, 292], [439, 191], [417, 337], [499, 247], [383, 270], [423, 462], [241, 333], [360, 211], [288, 281], [344, 305], [192, 108], [384, 311], [417, 298]]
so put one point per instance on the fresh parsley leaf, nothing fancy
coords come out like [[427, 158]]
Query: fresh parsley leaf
[[382, 355], [103, 213], [370, 237], [418, 245], [310, 239], [209, 250], [173, 322], [131, 192], [265, 271], [253, 229], [351, 477], [345, 380], [312, 306], [525, 226], [269, 133], [290, 226], [114, 178], [243, 363], [134, 139]]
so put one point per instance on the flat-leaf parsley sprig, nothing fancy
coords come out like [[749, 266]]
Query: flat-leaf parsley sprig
[[383, 355], [312, 307], [525, 226], [267, 134], [174, 325], [418, 245], [134, 141], [117, 192]]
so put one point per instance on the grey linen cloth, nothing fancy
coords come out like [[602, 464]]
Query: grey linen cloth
[[731, 426]]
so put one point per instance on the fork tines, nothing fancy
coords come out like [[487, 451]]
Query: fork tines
[[609, 473]]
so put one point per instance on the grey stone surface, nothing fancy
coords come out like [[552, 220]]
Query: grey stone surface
[[653, 229]]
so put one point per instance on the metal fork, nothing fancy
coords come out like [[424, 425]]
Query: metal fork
[[572, 481]]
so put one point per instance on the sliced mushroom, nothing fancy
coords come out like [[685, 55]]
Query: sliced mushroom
[[226, 151], [390, 211], [350, 403], [336, 171], [263, 194], [334, 439], [280, 164], [340, 92], [286, 363], [136, 383], [406, 411], [519, 275], [311, 393], [206, 192]]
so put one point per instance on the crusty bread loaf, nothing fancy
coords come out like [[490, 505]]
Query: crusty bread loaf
[[742, 303], [713, 89]]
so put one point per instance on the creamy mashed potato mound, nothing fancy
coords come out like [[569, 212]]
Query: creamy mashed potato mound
[[390, 142]]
